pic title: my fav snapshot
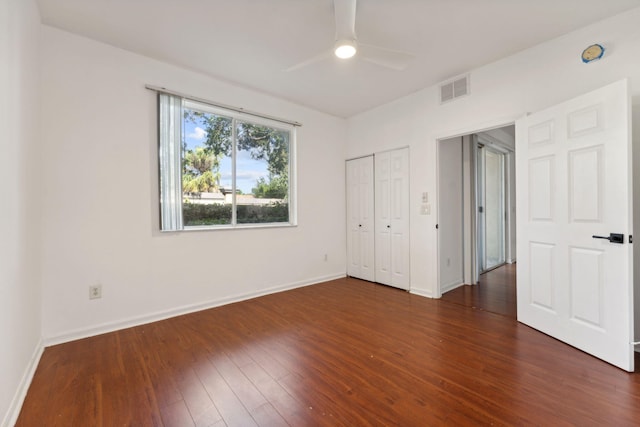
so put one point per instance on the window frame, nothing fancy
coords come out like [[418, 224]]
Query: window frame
[[236, 116]]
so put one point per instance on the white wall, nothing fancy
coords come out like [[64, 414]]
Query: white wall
[[450, 213], [500, 93], [101, 204], [20, 180]]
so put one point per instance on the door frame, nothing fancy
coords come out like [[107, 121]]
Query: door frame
[[469, 130]]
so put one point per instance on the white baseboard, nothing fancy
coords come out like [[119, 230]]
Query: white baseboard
[[18, 399], [421, 292], [77, 334], [451, 286]]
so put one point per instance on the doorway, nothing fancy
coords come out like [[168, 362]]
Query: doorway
[[476, 216], [575, 176]]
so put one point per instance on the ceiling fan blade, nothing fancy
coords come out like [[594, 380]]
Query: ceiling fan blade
[[345, 15], [314, 59], [389, 58]]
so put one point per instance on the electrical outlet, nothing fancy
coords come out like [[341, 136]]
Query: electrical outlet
[[95, 291]]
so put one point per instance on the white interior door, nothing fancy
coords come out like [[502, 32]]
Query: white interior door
[[392, 218], [360, 223], [574, 182]]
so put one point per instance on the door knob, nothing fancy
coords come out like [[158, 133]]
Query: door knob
[[613, 237]]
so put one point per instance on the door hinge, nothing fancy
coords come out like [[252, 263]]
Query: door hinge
[[436, 226], [630, 238]]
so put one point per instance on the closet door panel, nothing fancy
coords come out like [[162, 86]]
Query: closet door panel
[[399, 162], [392, 218], [360, 214], [383, 217]]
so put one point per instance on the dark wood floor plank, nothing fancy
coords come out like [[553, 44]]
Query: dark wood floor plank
[[495, 292], [176, 415], [125, 381], [197, 400], [233, 412], [341, 353], [323, 408], [291, 409], [267, 416], [242, 387]]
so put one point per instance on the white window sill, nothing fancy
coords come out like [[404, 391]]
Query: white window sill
[[231, 227]]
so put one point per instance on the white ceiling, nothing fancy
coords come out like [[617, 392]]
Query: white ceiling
[[252, 42]]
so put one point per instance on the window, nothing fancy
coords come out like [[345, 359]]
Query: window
[[221, 169]]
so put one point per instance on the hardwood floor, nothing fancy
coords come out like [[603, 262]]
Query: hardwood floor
[[496, 292], [340, 353]]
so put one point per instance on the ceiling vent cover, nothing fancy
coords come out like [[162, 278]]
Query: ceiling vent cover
[[454, 89]]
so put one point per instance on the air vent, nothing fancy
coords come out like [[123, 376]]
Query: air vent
[[454, 89]]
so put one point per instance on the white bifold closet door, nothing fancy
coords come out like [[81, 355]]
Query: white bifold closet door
[[360, 222], [392, 218]]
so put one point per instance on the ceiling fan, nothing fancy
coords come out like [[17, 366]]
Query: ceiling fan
[[347, 44]]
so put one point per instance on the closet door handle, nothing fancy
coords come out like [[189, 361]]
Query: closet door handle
[[388, 226]]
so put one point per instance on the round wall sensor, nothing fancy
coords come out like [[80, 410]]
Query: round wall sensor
[[592, 53]]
